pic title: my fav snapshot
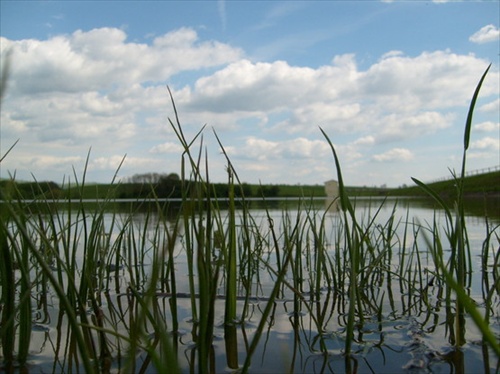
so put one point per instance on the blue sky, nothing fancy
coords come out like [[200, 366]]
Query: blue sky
[[388, 81]]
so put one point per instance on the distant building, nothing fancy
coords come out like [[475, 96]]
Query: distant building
[[332, 195], [332, 189]]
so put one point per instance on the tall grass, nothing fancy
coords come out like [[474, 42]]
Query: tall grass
[[457, 271]]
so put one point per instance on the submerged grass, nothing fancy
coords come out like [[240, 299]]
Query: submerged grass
[[118, 282]]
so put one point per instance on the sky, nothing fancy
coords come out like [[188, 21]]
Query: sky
[[389, 82]]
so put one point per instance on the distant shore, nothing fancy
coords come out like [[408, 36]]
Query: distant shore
[[476, 186]]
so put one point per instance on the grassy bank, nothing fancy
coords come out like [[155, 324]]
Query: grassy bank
[[474, 185]]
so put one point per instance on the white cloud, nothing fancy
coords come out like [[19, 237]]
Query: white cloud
[[168, 147], [342, 97], [479, 156], [102, 58], [365, 140], [89, 87], [430, 80], [265, 150], [392, 54], [405, 126], [107, 163], [488, 143], [487, 126], [395, 154], [37, 163], [490, 107], [318, 113], [98, 89], [486, 34], [70, 117], [245, 86], [281, 161]]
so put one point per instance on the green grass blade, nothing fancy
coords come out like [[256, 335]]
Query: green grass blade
[[61, 294], [7, 335], [8, 150], [231, 271], [466, 302], [5, 74], [468, 123], [344, 200], [436, 197]]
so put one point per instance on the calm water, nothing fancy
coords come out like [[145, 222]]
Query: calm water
[[400, 332]]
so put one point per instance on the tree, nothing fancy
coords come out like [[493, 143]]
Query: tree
[[169, 186]]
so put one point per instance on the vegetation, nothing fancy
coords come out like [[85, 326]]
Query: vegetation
[[480, 185], [117, 286], [474, 185]]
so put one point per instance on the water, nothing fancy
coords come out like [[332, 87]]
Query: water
[[400, 327]]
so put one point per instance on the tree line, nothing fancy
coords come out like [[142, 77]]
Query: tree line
[[171, 186], [145, 185]]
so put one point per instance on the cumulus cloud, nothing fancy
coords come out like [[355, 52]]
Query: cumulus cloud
[[107, 163], [48, 161], [168, 147], [395, 154], [365, 140], [40, 163], [265, 150], [493, 106], [487, 126], [340, 93], [100, 58], [95, 85], [486, 34], [247, 86], [398, 98], [96, 88], [487, 143], [403, 126], [403, 82]]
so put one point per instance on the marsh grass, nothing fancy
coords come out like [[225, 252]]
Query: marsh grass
[[457, 271], [118, 285]]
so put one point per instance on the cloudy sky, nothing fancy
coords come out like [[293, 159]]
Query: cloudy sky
[[389, 81]]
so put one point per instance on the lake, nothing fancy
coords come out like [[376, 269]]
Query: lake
[[304, 296]]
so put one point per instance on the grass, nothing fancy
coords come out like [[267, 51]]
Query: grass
[[458, 270], [117, 281]]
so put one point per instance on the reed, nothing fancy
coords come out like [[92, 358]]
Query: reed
[[354, 237], [22, 231], [269, 305], [8, 299], [230, 250], [457, 272]]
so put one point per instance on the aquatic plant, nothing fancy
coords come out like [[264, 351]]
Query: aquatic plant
[[457, 272]]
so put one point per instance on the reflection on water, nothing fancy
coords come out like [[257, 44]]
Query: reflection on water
[[404, 320], [391, 342]]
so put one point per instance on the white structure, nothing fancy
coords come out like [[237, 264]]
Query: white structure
[[332, 189], [332, 195]]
